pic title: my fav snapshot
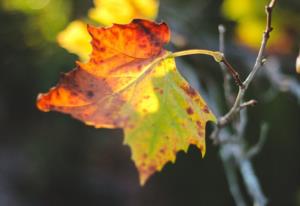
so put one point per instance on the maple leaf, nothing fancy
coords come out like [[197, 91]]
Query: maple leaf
[[131, 82]]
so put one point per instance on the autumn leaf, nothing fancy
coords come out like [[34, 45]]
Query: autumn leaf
[[107, 12], [131, 82], [75, 37], [298, 64], [250, 20]]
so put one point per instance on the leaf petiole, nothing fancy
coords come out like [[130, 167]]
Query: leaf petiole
[[218, 57]]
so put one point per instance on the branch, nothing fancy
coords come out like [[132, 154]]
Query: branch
[[232, 149], [234, 111], [252, 183], [232, 176], [280, 81], [227, 78], [261, 141]]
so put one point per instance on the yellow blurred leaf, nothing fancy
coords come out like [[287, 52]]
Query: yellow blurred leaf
[[107, 12], [298, 64], [236, 10], [251, 19], [249, 32], [76, 39]]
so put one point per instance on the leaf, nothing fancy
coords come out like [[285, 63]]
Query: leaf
[[250, 21], [75, 37], [298, 64], [107, 12], [131, 82]]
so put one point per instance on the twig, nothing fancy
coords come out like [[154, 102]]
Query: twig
[[280, 81], [251, 102], [251, 182], [261, 141], [232, 176], [233, 73], [266, 36], [227, 78]]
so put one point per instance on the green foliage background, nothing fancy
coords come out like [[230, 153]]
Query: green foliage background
[[51, 159]]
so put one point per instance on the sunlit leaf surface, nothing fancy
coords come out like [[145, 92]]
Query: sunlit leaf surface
[[131, 83], [107, 12]]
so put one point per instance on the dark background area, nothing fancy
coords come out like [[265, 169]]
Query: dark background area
[[51, 159]]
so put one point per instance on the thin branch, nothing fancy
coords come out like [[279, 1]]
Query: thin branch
[[233, 73], [227, 78], [232, 177], [281, 81], [252, 183], [261, 141], [251, 102], [266, 36], [236, 151]]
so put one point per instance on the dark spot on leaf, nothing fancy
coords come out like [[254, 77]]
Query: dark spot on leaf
[[200, 133], [142, 46], [144, 156], [190, 111], [162, 150], [199, 124], [189, 90], [152, 168], [159, 90], [205, 109], [90, 94], [157, 44], [73, 93]]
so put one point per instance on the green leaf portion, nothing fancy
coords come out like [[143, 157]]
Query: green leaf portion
[[179, 120]]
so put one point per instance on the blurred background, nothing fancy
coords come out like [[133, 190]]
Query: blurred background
[[51, 159]]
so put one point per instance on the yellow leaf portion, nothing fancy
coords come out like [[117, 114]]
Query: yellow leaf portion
[[298, 64], [107, 12], [179, 121], [251, 19]]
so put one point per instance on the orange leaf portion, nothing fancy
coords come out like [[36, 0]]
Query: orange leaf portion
[[120, 55], [131, 82]]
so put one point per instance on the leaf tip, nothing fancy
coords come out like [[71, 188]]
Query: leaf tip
[[203, 150], [41, 104], [142, 181]]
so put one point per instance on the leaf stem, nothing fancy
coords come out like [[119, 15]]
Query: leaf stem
[[218, 57]]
